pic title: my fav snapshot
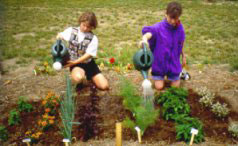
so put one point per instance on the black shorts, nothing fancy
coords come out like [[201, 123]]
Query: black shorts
[[91, 69]]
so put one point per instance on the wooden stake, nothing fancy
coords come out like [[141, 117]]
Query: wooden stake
[[138, 134], [118, 134], [191, 141], [194, 132], [27, 141], [66, 141]]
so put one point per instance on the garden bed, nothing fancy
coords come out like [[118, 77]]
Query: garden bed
[[98, 115]]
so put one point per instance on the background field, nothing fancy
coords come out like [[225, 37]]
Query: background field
[[28, 28]]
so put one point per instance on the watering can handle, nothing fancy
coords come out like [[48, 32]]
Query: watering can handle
[[145, 53], [58, 42]]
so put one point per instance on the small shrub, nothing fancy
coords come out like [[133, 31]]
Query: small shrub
[[207, 100], [220, 110], [183, 129], [23, 106], [14, 117], [3, 133], [233, 129], [203, 91]]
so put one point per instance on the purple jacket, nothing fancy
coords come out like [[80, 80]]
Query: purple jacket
[[166, 44]]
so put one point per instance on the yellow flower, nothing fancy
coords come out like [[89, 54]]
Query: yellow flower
[[45, 116], [28, 132], [51, 117], [39, 122], [51, 121], [46, 63], [38, 134]]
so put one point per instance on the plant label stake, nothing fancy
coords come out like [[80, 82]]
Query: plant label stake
[[66, 141], [193, 132], [118, 134], [27, 141], [138, 133]]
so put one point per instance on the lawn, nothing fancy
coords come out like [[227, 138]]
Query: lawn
[[28, 28]]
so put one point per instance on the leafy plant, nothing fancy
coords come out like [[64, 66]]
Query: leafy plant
[[175, 107], [3, 133], [46, 122], [183, 129], [143, 112], [67, 110], [174, 103], [23, 105], [233, 129], [220, 110], [51, 103], [14, 117]]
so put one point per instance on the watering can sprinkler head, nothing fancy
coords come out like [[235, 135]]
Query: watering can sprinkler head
[[60, 55], [143, 60]]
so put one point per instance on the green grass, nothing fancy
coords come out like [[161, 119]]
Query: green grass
[[28, 28]]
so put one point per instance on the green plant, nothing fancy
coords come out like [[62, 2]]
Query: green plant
[[175, 107], [233, 129], [3, 133], [14, 117], [183, 129], [174, 103], [202, 91], [67, 110], [23, 105], [220, 110], [144, 112]]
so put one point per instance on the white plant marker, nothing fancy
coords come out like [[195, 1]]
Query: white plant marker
[[118, 134], [66, 141], [138, 133], [27, 141], [193, 132]]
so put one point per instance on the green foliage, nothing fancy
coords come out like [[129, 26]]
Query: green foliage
[[23, 106], [144, 112], [174, 103], [3, 133], [14, 117], [67, 110], [233, 129], [183, 129]]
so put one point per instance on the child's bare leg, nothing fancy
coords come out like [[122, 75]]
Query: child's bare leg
[[159, 85], [175, 83], [77, 74], [101, 82]]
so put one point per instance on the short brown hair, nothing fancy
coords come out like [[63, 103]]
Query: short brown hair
[[174, 10], [89, 17]]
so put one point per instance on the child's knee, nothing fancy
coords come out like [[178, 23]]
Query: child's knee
[[77, 78], [159, 86]]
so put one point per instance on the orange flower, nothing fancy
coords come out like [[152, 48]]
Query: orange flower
[[39, 134], [39, 122], [44, 102], [51, 121], [44, 123], [47, 110], [54, 101]]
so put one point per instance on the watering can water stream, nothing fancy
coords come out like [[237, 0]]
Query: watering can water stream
[[60, 55], [143, 60]]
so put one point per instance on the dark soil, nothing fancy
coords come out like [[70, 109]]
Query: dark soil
[[98, 115]]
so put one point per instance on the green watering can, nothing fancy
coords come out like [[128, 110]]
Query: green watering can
[[143, 60], [60, 55]]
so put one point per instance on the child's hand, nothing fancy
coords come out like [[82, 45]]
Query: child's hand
[[59, 37], [141, 43], [70, 63]]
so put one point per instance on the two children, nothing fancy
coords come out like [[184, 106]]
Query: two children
[[165, 38]]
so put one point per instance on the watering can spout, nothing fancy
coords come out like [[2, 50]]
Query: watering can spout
[[143, 60]]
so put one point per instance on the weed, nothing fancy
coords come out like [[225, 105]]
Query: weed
[[3, 133], [23, 106], [14, 117]]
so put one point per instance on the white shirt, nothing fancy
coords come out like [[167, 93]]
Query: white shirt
[[92, 47]]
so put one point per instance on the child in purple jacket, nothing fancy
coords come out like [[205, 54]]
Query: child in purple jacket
[[166, 39]]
